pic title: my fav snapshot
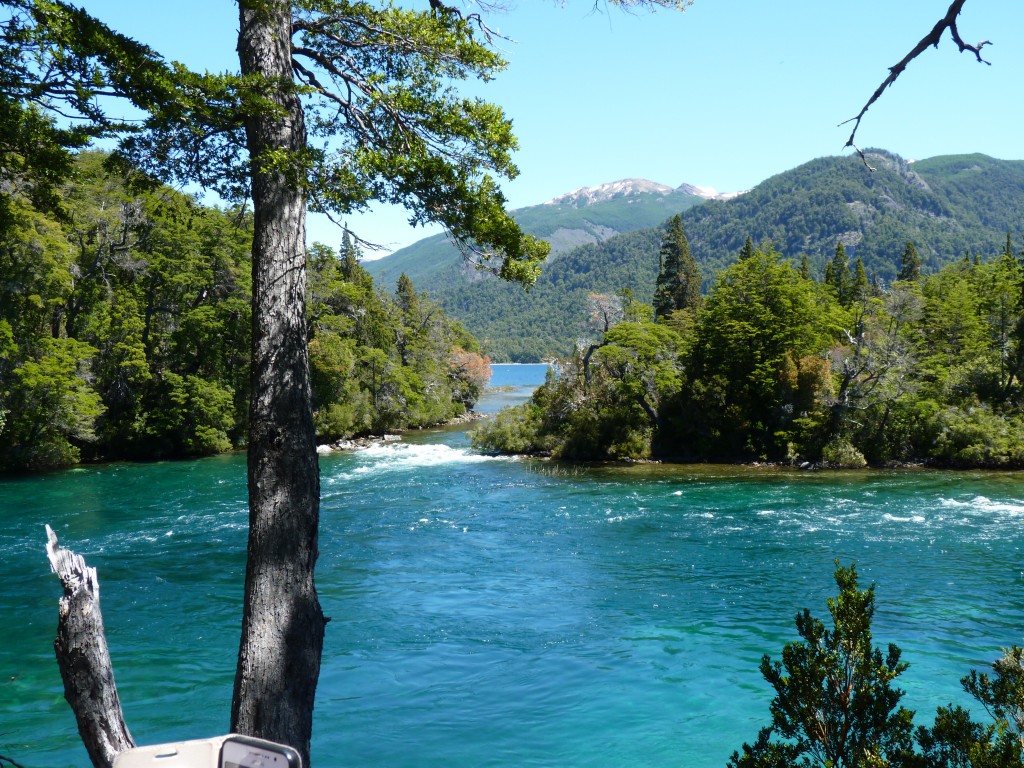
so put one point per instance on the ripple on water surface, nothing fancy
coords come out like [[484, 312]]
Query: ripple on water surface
[[496, 612]]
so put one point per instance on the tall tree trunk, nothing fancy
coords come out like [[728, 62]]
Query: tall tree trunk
[[282, 623]]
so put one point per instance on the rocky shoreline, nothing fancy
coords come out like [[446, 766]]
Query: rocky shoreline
[[368, 441]]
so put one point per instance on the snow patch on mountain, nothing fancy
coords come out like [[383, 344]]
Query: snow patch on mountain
[[584, 196], [708, 193]]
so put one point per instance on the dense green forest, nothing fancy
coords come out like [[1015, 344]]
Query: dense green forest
[[947, 206], [125, 330], [775, 365], [528, 326]]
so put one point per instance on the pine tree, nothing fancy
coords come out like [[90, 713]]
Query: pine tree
[[747, 250], [837, 275], [910, 264], [861, 288], [678, 285]]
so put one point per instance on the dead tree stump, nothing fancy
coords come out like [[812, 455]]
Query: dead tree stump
[[84, 659]]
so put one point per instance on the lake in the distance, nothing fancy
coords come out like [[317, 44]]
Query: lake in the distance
[[507, 612], [511, 384]]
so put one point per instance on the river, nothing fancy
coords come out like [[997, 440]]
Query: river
[[504, 612]]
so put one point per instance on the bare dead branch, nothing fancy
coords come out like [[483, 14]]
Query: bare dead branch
[[932, 39], [629, 5], [438, 7]]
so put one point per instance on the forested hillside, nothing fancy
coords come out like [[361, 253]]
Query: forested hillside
[[567, 222], [528, 326], [947, 206], [125, 331]]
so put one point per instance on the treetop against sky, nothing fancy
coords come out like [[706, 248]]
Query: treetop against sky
[[726, 94]]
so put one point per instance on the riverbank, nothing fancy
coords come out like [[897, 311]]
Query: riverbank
[[369, 441]]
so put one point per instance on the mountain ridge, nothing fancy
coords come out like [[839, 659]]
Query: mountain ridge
[[584, 196], [583, 216], [949, 206]]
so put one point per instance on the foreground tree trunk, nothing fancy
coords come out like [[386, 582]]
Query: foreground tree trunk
[[84, 658], [282, 623]]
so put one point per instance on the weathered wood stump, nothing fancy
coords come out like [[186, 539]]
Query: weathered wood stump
[[84, 658]]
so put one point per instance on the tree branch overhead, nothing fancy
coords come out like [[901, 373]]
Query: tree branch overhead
[[932, 39]]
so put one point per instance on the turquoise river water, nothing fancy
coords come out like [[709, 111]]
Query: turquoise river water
[[505, 612]]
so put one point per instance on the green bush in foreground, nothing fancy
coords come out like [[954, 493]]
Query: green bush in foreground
[[836, 705]]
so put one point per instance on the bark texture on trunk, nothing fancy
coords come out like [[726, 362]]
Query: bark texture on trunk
[[282, 623], [84, 659]]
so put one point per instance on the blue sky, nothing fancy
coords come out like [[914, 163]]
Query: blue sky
[[726, 94]]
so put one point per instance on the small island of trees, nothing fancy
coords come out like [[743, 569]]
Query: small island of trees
[[774, 365]]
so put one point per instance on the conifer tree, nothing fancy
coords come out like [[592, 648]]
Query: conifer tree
[[405, 292], [837, 275], [860, 288], [678, 285], [805, 266], [349, 256], [747, 250], [910, 264]]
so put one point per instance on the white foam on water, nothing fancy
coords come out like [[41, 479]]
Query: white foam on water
[[388, 457], [903, 519], [613, 516], [420, 455], [985, 504], [443, 522]]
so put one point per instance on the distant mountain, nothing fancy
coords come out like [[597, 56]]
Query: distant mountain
[[584, 196], [948, 206], [584, 216], [588, 196]]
